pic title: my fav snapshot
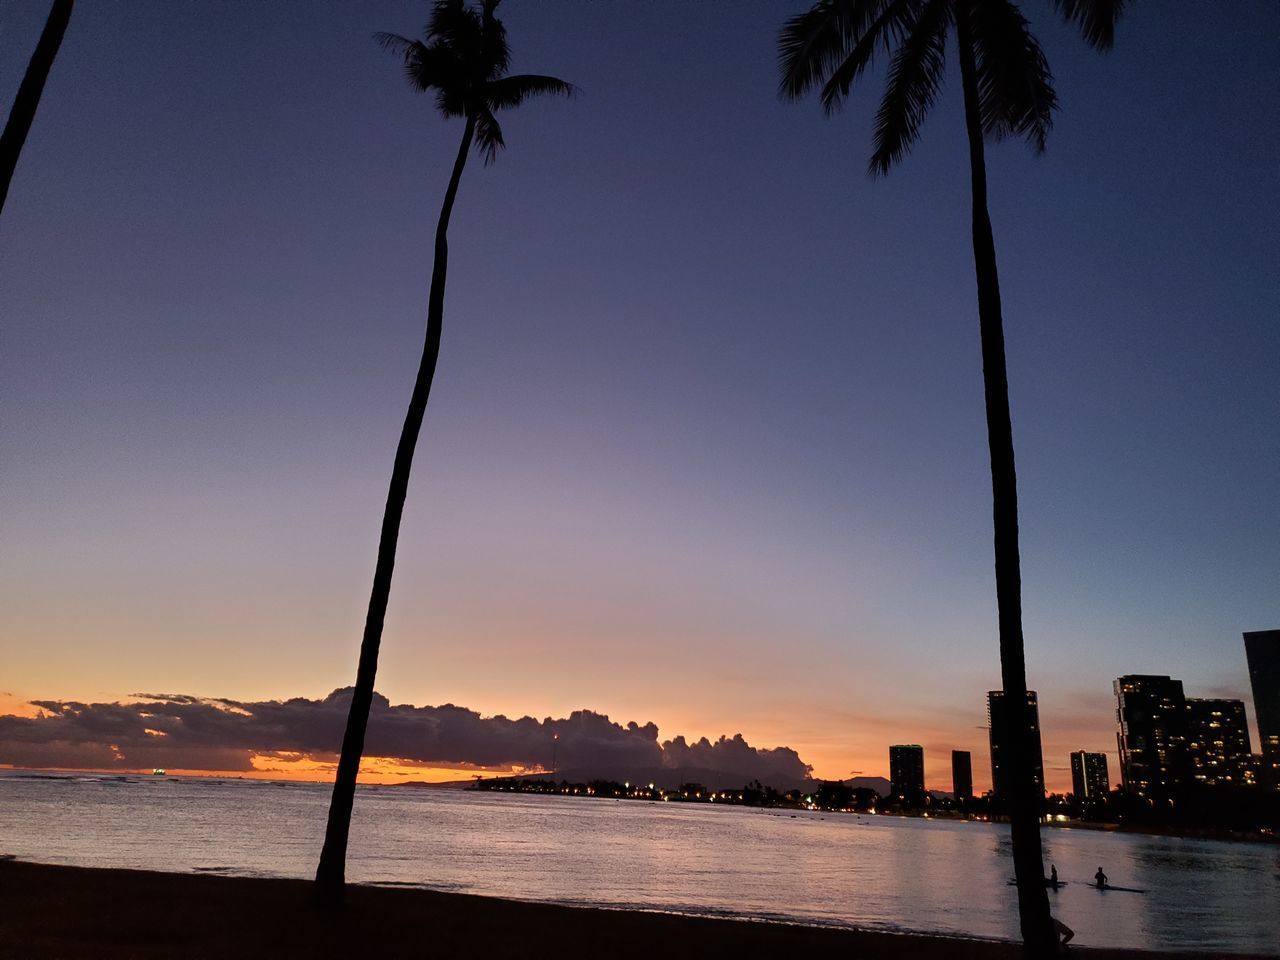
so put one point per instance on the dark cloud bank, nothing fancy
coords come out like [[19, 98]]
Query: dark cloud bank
[[181, 731]]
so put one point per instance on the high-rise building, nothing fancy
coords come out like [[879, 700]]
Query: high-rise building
[[1001, 738], [906, 769], [1152, 715], [1262, 650], [962, 774], [1089, 781], [1217, 741]]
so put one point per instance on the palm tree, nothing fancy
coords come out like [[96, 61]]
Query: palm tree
[[28, 98], [463, 58], [1008, 91]]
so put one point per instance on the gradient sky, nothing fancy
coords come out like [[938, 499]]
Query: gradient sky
[[706, 445]]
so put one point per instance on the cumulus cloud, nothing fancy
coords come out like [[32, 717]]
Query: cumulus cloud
[[210, 733], [733, 755]]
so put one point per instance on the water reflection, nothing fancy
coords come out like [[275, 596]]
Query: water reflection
[[820, 868]]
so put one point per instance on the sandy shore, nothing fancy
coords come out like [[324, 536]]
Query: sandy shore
[[48, 911]]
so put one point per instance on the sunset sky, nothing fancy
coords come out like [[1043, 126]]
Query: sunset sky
[[706, 446]]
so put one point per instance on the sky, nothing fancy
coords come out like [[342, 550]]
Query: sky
[[706, 446]]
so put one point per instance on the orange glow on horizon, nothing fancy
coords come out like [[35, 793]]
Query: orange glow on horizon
[[17, 707], [375, 771]]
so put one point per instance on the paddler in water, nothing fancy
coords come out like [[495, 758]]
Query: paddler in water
[[1100, 879], [1053, 876]]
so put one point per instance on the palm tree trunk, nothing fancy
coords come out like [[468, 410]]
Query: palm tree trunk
[[28, 98], [1028, 865], [331, 872]]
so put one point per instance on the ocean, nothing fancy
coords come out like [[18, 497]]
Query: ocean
[[871, 872]]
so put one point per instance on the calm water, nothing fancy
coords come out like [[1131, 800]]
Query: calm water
[[870, 872]]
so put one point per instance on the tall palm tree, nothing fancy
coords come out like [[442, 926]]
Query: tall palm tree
[[463, 59], [1008, 91], [28, 98]]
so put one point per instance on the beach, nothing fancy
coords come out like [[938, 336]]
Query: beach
[[58, 911]]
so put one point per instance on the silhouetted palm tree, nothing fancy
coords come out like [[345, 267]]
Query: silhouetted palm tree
[[1008, 91], [463, 58], [28, 98]]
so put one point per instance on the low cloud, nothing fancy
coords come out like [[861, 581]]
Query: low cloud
[[187, 732]]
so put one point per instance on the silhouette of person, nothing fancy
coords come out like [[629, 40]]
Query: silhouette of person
[[1063, 932], [1053, 876], [1100, 879]]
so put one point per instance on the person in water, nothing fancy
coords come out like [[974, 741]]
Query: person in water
[[1053, 876], [1100, 879]]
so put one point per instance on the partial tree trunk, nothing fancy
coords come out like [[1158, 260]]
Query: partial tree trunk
[[1028, 864], [24, 105], [331, 872]]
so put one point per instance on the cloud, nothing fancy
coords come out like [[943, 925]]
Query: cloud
[[779, 765], [210, 733]]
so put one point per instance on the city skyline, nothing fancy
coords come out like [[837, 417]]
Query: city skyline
[[707, 445]]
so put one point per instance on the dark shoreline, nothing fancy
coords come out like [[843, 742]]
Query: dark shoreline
[[55, 911]]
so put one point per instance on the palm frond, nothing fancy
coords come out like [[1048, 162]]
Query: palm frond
[[1095, 18], [508, 92], [394, 42], [1015, 86], [915, 77], [892, 25], [488, 136], [451, 100], [495, 53], [812, 43], [426, 67], [452, 22]]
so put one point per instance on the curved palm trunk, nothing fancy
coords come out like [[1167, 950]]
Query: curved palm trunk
[[331, 872], [28, 98], [1024, 805]]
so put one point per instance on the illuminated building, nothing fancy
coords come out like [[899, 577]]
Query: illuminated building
[[1089, 780], [1152, 715], [1262, 650], [906, 769], [962, 774], [1217, 741], [1000, 737]]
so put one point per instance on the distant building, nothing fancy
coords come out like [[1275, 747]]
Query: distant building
[[1262, 650], [1089, 780], [1001, 744], [1152, 715], [906, 769], [962, 774], [1218, 742]]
